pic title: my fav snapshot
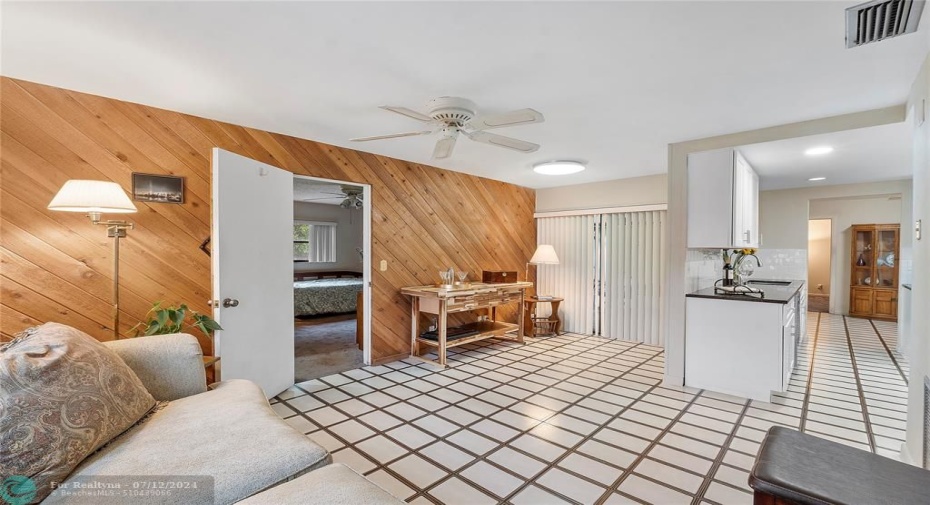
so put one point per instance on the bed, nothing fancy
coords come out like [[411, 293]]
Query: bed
[[319, 293]]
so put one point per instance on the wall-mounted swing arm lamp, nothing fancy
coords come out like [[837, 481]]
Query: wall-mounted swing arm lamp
[[96, 198]]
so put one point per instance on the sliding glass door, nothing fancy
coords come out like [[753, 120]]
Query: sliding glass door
[[611, 273]]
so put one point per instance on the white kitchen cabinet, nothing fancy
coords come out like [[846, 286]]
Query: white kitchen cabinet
[[789, 338], [740, 346], [723, 201]]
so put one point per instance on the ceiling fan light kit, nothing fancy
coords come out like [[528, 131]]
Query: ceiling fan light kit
[[558, 167], [353, 197], [453, 116]]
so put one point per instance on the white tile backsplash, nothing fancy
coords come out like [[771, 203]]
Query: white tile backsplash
[[786, 264], [705, 266]]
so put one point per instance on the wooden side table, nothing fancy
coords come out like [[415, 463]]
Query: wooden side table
[[529, 310]]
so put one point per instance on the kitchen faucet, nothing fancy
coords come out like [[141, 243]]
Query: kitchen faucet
[[737, 277]]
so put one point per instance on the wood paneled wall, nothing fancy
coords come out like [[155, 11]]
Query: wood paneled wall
[[56, 265]]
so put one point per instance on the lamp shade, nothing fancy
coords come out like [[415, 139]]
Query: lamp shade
[[545, 255], [92, 196]]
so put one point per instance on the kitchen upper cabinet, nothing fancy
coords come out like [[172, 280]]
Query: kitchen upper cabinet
[[723, 201]]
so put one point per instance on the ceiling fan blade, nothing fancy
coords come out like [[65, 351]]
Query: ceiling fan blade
[[512, 118], [336, 197], [393, 136], [502, 141], [407, 112], [444, 147]]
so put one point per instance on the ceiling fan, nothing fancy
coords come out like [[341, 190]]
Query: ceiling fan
[[452, 116], [353, 197]]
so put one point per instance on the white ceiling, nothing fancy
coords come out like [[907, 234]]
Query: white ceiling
[[879, 153], [616, 81]]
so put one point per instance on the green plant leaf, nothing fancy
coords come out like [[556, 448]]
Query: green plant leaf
[[163, 319], [152, 329]]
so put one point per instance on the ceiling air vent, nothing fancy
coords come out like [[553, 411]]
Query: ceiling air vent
[[881, 19]]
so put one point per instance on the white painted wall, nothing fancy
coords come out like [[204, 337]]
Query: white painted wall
[[819, 255], [920, 299], [651, 189], [349, 235], [846, 212], [784, 214]]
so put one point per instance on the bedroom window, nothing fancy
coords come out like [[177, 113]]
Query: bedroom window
[[314, 242]]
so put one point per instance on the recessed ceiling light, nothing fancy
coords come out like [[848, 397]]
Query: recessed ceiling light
[[817, 179], [562, 167], [818, 151]]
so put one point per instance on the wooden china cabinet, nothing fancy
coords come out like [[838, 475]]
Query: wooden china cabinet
[[874, 260]]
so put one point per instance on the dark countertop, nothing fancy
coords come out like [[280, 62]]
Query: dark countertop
[[907, 286], [771, 294]]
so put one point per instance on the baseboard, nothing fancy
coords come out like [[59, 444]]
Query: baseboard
[[905, 455], [388, 359], [673, 381]]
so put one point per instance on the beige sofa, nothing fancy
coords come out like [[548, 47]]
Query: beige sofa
[[229, 433]]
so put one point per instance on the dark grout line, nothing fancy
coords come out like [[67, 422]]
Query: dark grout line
[[642, 455], [810, 376], [645, 358], [865, 407], [699, 495], [536, 370], [888, 350]]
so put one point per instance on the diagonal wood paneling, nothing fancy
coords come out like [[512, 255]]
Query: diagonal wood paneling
[[56, 266]]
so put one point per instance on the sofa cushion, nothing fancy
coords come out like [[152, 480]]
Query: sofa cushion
[[335, 484], [229, 433], [63, 394]]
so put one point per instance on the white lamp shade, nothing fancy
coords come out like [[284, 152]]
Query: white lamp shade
[[545, 255], [92, 196]]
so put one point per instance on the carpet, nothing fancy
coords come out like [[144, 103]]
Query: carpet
[[324, 346], [818, 303]]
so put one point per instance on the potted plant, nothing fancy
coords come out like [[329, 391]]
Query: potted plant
[[162, 320]]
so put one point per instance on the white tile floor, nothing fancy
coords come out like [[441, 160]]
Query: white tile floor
[[576, 419]]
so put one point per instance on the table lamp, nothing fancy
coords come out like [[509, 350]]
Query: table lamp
[[544, 255], [96, 198]]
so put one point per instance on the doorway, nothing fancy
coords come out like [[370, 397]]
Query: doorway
[[252, 256], [329, 257], [819, 247]]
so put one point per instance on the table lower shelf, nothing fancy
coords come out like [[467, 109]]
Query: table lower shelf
[[495, 329]]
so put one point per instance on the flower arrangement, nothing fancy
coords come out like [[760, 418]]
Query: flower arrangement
[[732, 261], [730, 257]]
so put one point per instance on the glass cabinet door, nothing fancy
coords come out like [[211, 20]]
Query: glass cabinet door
[[885, 260], [863, 254]]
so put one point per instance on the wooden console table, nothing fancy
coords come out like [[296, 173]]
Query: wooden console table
[[471, 297]]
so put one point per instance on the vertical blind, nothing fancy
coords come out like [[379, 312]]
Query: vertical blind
[[315, 242], [633, 276], [574, 277], [611, 273]]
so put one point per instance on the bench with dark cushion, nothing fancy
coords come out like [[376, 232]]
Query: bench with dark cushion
[[796, 468]]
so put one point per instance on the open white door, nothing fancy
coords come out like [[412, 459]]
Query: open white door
[[253, 258]]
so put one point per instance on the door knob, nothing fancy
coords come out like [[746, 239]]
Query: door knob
[[213, 303], [230, 302]]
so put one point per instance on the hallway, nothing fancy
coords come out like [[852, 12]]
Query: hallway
[[856, 392]]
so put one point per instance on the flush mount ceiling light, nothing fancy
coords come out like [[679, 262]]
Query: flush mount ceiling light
[[815, 179], [559, 167], [818, 151]]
